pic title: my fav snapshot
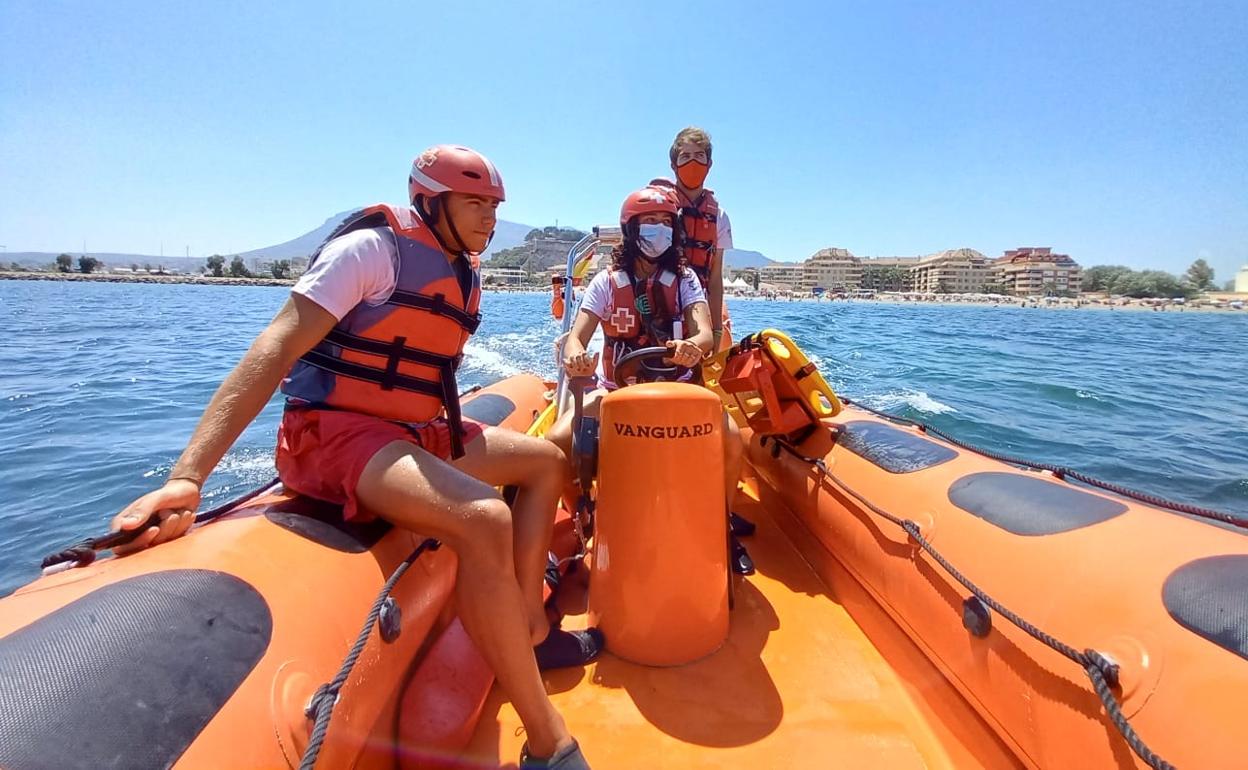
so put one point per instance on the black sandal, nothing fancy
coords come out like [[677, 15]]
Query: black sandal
[[741, 526], [564, 649], [742, 564]]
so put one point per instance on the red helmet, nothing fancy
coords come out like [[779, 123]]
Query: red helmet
[[648, 200], [451, 168]]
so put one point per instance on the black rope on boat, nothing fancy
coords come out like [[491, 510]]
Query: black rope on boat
[[204, 517], [321, 706], [1063, 472], [1101, 671], [80, 554], [84, 551]]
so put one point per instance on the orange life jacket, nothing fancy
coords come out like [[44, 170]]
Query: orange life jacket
[[626, 327], [700, 223], [396, 360]]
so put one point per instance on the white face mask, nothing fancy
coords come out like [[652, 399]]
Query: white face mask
[[654, 240]]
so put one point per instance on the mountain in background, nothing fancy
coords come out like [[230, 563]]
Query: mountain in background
[[506, 235], [740, 258], [301, 246]]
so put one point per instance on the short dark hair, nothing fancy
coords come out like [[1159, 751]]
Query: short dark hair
[[691, 134]]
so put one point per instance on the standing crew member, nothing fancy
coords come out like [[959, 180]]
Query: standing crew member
[[708, 234]]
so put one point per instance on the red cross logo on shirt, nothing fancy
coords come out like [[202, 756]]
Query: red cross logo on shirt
[[624, 321]]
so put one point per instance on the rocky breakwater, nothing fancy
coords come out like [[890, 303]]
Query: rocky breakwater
[[12, 275]]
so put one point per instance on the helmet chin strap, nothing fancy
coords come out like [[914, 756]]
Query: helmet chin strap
[[436, 211], [450, 223]]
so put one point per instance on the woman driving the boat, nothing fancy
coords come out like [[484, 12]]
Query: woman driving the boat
[[647, 298]]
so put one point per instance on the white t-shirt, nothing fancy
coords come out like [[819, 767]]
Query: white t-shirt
[[598, 293], [723, 231], [598, 298], [361, 266]]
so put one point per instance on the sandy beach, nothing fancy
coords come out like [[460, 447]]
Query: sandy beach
[[1116, 305]]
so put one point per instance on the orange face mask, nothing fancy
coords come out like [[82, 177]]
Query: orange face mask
[[692, 173]]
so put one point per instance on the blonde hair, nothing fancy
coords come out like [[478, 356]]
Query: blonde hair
[[690, 134]]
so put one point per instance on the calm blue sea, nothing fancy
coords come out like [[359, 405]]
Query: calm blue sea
[[101, 385]]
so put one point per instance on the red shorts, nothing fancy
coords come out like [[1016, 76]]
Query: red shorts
[[322, 452]]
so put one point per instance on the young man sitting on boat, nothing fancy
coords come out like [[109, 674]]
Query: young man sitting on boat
[[649, 266], [365, 350]]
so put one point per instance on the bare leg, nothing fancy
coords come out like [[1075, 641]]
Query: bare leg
[[560, 434], [413, 489], [538, 470]]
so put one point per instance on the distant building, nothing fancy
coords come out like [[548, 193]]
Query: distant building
[[831, 270], [547, 250], [784, 276], [888, 273], [504, 276], [953, 271], [1031, 271], [1024, 271], [1241, 280]]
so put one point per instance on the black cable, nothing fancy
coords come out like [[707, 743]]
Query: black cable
[[213, 513], [321, 707], [83, 552], [1102, 673]]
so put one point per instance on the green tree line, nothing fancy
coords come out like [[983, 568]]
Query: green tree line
[[216, 267], [1120, 279]]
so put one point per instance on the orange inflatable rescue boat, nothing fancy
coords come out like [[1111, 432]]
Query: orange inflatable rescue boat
[[917, 604]]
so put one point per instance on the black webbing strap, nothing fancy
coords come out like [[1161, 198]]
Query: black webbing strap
[[806, 371], [648, 307], [378, 348], [376, 376], [692, 211], [454, 419], [438, 306], [392, 363]]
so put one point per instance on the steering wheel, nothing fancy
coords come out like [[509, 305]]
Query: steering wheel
[[647, 365]]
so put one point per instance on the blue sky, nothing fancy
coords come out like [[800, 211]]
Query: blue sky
[[1115, 132]]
